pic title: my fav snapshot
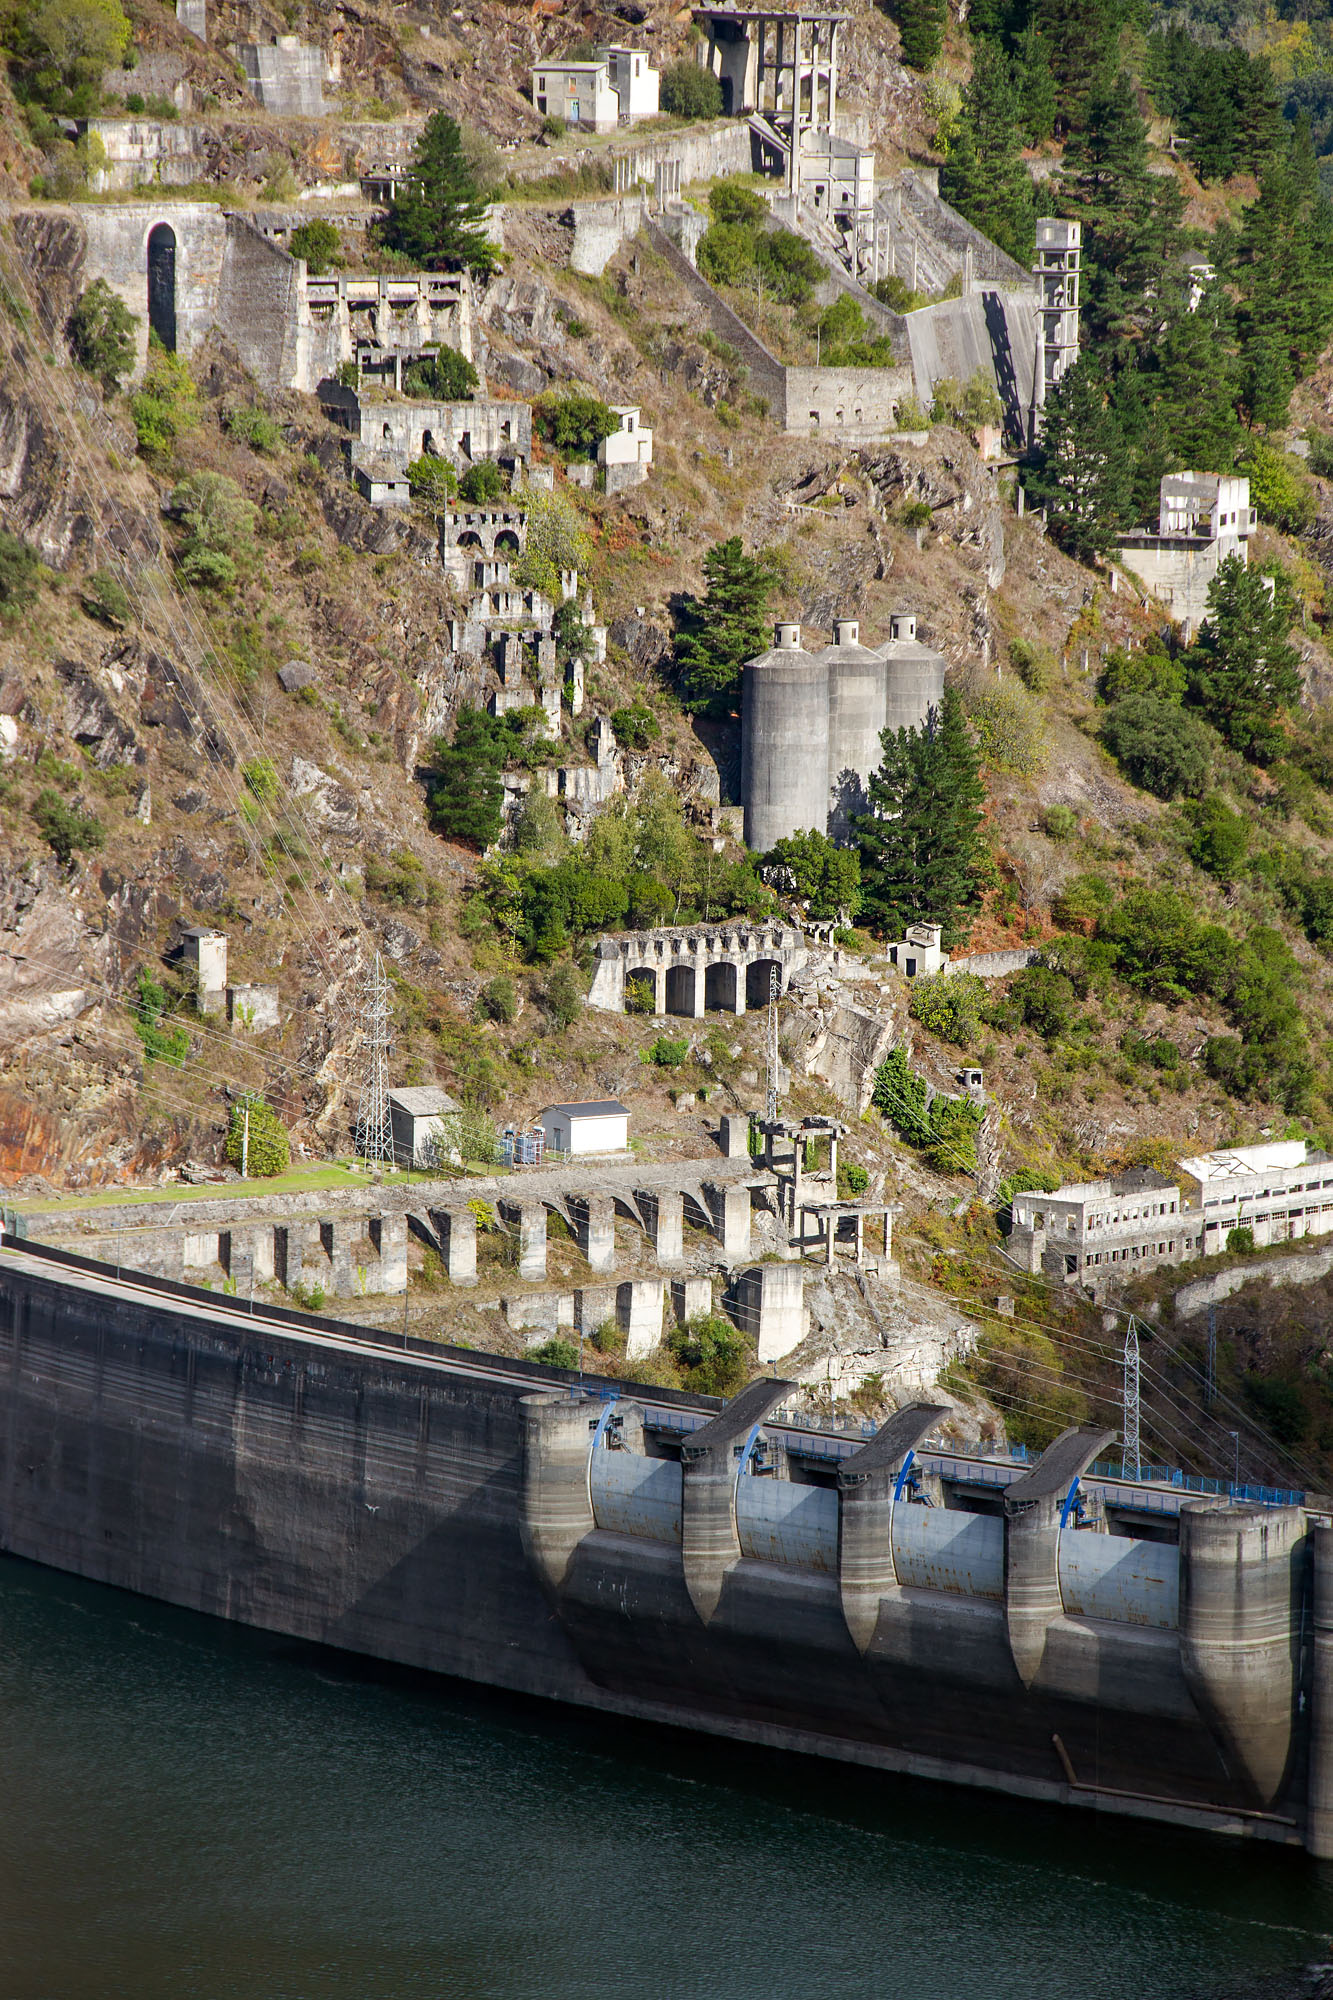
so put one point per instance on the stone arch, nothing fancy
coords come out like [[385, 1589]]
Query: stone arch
[[508, 541], [757, 976], [162, 284], [680, 989], [722, 988], [644, 980], [428, 445]]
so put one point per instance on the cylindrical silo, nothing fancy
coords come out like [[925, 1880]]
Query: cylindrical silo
[[913, 677], [784, 741], [856, 701]]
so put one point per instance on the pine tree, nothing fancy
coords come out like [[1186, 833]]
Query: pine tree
[[439, 216], [725, 628], [1243, 673], [984, 176], [922, 843], [1082, 474], [1193, 378], [1130, 216], [1035, 86], [1080, 36], [921, 26]]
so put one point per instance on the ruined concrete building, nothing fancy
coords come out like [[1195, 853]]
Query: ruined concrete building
[[616, 87], [811, 724], [1203, 517]]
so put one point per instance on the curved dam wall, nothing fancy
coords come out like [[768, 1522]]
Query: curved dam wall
[[473, 1516]]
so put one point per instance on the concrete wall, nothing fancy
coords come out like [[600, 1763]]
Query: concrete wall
[[437, 1509], [856, 403], [994, 331]]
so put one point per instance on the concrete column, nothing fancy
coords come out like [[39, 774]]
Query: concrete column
[[388, 1233], [738, 966], [336, 1237], [457, 1231], [664, 1216], [867, 1482], [697, 1008], [237, 1257], [528, 1218], [769, 1304], [593, 1306], [734, 1135], [639, 1315], [1239, 1623], [1032, 1510], [289, 1251], [710, 1463], [1319, 1809], [690, 1296], [730, 1209], [596, 1221], [555, 1506]]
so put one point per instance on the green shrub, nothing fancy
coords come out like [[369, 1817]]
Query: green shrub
[[1159, 746], [219, 525], [446, 377], [1081, 902], [64, 828], [1007, 725], [1241, 1240], [711, 1354], [254, 427], [1220, 840], [261, 780], [103, 597], [564, 994], [732, 200], [166, 407], [160, 1044], [1280, 493], [1059, 822], [1039, 998], [482, 484], [852, 1180], [813, 869], [432, 482], [258, 1135], [1145, 673], [636, 726], [949, 1005], [688, 91], [574, 424], [556, 1353], [20, 574], [553, 127], [101, 335], [318, 242], [666, 1053], [498, 1000]]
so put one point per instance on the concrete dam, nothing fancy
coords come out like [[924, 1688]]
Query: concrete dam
[[1041, 1630]]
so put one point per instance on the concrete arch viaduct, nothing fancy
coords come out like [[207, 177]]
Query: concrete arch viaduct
[[694, 969]]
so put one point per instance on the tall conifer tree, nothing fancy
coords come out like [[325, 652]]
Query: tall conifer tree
[[922, 843]]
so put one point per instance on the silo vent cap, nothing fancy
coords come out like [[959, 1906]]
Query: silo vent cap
[[787, 637], [846, 631], [902, 625]]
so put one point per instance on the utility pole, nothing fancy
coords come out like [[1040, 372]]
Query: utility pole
[[374, 1137], [245, 1143], [1130, 1462], [771, 1095]]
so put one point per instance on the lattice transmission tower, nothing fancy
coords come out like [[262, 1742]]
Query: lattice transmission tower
[[374, 1135], [771, 1094], [1130, 1462]]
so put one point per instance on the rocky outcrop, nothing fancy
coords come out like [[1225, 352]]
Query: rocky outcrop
[[49, 965]]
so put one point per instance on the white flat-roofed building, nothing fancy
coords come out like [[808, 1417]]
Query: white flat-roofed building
[[418, 1122], [628, 452], [601, 1125], [1280, 1190], [614, 87], [1090, 1232]]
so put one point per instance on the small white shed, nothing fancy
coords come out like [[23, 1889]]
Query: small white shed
[[416, 1118], [599, 1126]]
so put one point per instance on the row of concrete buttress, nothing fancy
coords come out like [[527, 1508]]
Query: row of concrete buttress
[[1229, 1674]]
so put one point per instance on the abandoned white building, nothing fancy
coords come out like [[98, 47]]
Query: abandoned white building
[[1203, 517], [627, 453], [617, 86], [920, 952], [419, 1125], [387, 435], [811, 724], [1089, 1231], [1278, 1191]]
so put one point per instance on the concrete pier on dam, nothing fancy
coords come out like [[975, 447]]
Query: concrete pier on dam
[[1038, 1630]]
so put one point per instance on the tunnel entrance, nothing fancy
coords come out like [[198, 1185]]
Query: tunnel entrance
[[162, 284], [757, 978]]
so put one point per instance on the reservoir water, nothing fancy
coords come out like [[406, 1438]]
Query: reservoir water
[[192, 1812]]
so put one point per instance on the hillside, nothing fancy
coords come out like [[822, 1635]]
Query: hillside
[[255, 747]]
